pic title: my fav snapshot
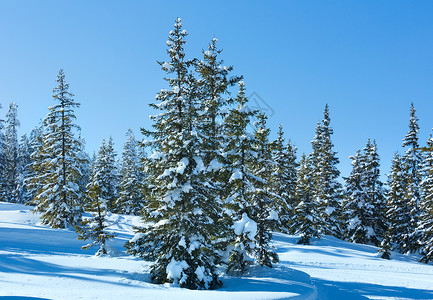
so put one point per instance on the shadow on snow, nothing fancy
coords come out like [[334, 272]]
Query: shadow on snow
[[21, 298], [48, 241], [15, 263], [361, 291]]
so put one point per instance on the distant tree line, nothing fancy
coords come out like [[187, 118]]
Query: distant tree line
[[210, 185]]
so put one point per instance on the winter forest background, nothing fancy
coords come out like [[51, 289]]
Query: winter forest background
[[209, 182]]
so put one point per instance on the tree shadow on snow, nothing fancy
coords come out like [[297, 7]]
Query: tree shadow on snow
[[336, 290], [47, 241], [40, 241], [21, 298], [13, 263]]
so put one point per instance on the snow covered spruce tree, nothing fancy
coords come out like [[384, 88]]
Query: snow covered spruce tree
[[364, 205], [85, 166], [398, 212], [2, 161], [306, 219], [214, 83], [99, 193], [327, 188], [33, 180], [375, 192], [283, 178], [249, 196], [412, 162], [131, 195], [354, 201], [239, 153], [57, 163], [385, 246], [181, 211], [11, 155], [425, 226], [213, 87], [264, 206], [24, 172], [106, 164]]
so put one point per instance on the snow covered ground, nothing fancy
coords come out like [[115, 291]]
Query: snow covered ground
[[342, 270], [44, 263]]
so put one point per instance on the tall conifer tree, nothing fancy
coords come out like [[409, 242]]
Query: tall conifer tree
[[375, 192], [181, 211], [131, 196], [24, 165], [327, 188], [213, 87], [57, 163], [107, 175], [283, 178], [3, 185], [354, 201], [33, 181], [99, 194], [412, 161], [239, 153], [249, 196], [364, 206], [425, 226], [263, 199], [11, 155], [398, 212], [106, 164], [84, 166], [306, 219]]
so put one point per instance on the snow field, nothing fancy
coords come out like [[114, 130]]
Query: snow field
[[37, 261], [342, 270]]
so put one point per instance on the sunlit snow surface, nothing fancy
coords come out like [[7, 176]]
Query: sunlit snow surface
[[39, 262]]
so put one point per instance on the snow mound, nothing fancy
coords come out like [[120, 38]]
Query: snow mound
[[245, 226]]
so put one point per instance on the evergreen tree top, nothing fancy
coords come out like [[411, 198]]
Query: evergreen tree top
[[241, 99], [411, 138], [176, 41], [130, 139], [61, 92], [129, 155], [237, 121], [12, 125], [396, 171], [12, 115], [278, 144], [326, 120], [177, 101], [322, 145], [262, 131], [213, 72]]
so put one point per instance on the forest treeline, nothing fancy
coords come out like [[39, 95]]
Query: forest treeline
[[209, 183]]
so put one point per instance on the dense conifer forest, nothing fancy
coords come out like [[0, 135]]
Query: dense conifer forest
[[209, 183]]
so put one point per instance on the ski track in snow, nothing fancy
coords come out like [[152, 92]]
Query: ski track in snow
[[37, 262]]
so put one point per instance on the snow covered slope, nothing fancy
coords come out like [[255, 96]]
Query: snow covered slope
[[36, 261], [41, 262], [342, 270]]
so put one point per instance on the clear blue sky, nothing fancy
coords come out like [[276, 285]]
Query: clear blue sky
[[367, 59]]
